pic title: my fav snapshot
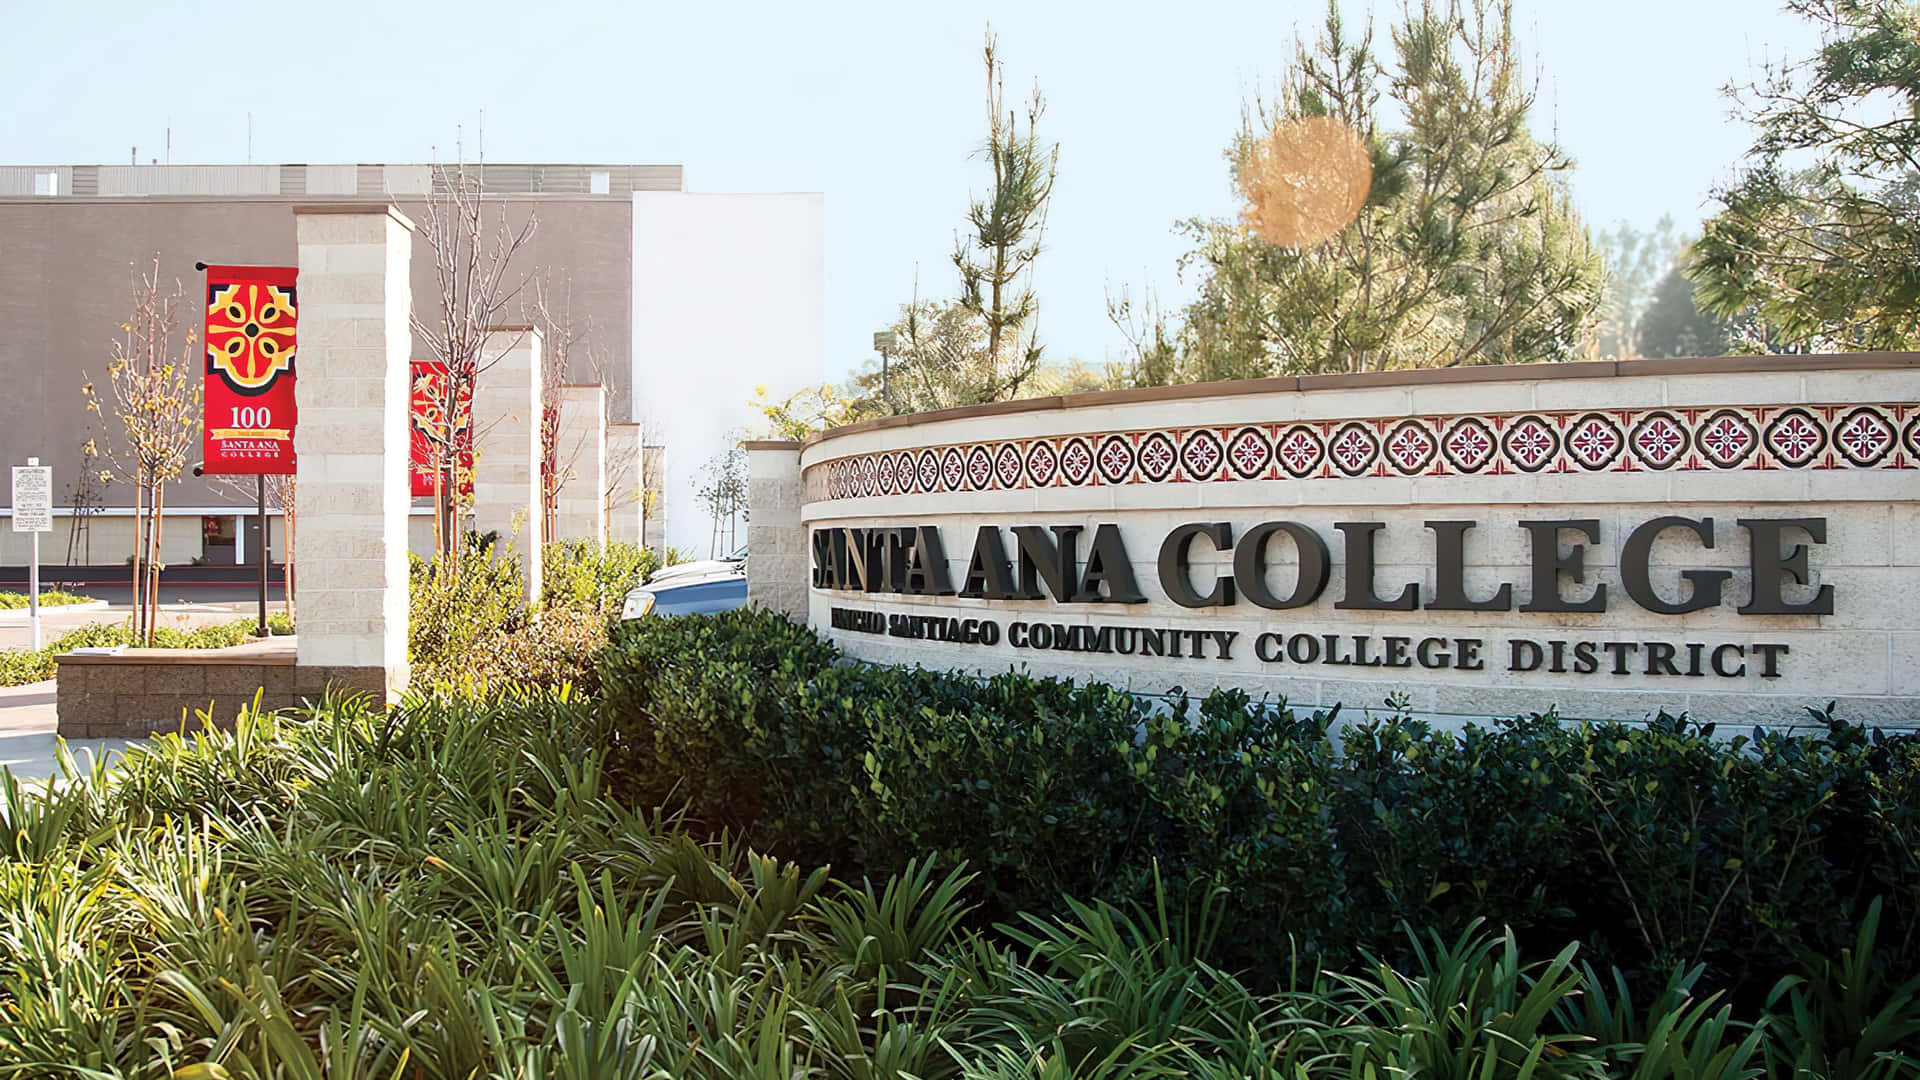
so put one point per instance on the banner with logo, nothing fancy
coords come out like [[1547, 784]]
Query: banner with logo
[[427, 430], [250, 411]]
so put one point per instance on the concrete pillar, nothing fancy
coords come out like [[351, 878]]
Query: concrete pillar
[[625, 507], [776, 538], [506, 446], [580, 510], [352, 392], [653, 497]]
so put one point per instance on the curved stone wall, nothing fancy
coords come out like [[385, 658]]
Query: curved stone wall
[[1737, 537]]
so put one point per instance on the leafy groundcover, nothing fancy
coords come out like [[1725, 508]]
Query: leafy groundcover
[[471, 886]]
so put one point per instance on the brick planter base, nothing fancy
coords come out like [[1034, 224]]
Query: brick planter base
[[140, 692]]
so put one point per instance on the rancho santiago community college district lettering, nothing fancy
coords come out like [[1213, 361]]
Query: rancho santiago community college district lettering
[[1046, 563]]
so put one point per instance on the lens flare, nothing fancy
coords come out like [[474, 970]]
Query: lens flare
[[1305, 181]]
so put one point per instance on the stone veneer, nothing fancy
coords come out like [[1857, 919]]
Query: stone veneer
[[506, 446], [580, 505], [626, 476], [141, 692], [1623, 443], [776, 539], [353, 495]]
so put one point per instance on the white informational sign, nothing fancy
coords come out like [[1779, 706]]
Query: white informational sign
[[32, 498]]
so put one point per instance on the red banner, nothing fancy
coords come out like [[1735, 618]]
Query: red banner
[[428, 431], [250, 411]]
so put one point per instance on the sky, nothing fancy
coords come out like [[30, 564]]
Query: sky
[[879, 106]]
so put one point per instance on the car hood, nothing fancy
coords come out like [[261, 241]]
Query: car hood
[[698, 568]]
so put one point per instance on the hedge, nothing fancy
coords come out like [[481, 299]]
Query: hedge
[[1657, 845]]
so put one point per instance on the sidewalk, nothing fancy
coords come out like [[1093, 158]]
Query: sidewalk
[[26, 733]]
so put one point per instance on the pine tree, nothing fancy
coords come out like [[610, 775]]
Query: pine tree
[[1447, 240]]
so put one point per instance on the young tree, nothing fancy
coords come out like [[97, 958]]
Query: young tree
[[155, 393], [473, 252], [563, 338], [996, 261], [724, 494], [983, 345], [1816, 241], [1449, 240]]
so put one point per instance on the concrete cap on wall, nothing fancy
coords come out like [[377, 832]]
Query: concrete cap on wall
[[388, 209], [1479, 373]]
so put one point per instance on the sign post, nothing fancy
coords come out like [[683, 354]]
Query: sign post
[[33, 514]]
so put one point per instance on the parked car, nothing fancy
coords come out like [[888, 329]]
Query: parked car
[[688, 594], [701, 567]]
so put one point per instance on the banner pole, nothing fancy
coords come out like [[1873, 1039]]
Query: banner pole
[[266, 550]]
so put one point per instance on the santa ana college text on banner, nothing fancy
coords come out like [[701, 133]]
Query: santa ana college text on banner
[[250, 410]]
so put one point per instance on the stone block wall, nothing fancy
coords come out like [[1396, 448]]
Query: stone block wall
[[352, 500], [580, 504], [625, 474], [1830, 440], [143, 692], [776, 537], [506, 446]]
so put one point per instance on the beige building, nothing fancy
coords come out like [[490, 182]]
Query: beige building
[[74, 238]]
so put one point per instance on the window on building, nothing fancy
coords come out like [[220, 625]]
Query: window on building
[[599, 182], [46, 182]]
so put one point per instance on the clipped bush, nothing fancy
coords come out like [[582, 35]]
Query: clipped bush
[[1660, 846]]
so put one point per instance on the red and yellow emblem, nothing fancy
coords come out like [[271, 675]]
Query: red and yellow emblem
[[251, 408], [250, 333]]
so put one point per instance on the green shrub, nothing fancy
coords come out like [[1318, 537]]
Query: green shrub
[[1661, 846], [446, 890], [14, 601], [579, 575], [18, 666], [451, 604], [559, 647]]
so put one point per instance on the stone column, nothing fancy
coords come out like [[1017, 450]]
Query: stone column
[[776, 538], [653, 493], [506, 446], [352, 497], [580, 511], [625, 473]]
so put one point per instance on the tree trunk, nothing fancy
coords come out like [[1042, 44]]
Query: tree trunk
[[158, 507], [139, 554]]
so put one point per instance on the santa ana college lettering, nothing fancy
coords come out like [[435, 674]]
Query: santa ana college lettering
[[1738, 539], [1046, 564]]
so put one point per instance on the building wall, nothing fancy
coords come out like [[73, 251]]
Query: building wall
[[729, 292], [111, 540], [65, 288]]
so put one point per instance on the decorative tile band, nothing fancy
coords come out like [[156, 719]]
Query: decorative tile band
[[1753, 437]]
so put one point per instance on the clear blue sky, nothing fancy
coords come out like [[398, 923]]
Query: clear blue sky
[[877, 105]]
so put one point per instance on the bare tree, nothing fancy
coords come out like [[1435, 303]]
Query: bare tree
[[563, 339], [157, 399], [473, 252]]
